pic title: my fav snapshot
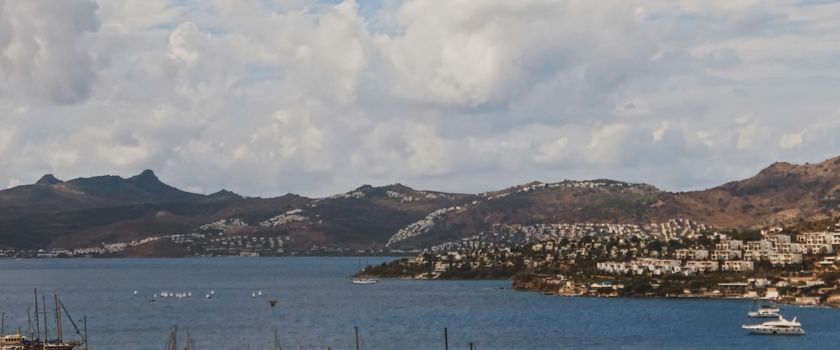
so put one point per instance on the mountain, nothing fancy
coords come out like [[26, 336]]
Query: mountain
[[782, 194], [87, 212]]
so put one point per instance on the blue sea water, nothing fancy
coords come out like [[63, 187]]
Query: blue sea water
[[318, 308]]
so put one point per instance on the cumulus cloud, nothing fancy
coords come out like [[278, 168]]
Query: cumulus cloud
[[317, 97], [44, 51]]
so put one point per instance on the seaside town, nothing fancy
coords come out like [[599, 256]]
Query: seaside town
[[775, 263]]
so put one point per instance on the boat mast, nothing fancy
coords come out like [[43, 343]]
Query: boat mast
[[189, 342], [29, 318], [46, 331], [3, 325], [356, 330], [445, 339], [86, 338], [37, 317], [58, 319], [277, 341]]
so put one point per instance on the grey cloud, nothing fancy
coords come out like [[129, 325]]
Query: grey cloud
[[473, 96], [44, 52]]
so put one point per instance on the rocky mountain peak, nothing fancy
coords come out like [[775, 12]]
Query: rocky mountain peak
[[47, 180]]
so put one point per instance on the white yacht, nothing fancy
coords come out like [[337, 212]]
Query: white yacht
[[777, 327], [364, 280], [765, 311]]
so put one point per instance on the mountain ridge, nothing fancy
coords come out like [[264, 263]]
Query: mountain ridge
[[100, 209]]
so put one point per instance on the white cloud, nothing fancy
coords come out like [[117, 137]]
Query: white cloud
[[318, 97], [659, 133], [791, 140]]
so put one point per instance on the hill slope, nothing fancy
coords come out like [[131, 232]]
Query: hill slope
[[89, 211]]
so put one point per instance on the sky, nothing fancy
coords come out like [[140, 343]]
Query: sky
[[266, 97]]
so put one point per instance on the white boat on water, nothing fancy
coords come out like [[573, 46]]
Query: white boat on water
[[765, 312], [777, 327], [363, 280]]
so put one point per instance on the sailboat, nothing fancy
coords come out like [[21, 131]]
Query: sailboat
[[34, 342], [361, 279]]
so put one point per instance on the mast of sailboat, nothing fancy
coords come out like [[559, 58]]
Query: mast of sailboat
[[29, 318], [277, 341], [37, 317], [69, 317], [189, 342], [356, 330], [58, 329], [46, 331], [3, 325], [445, 339], [86, 338]]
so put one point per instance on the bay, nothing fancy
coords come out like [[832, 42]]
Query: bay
[[318, 307]]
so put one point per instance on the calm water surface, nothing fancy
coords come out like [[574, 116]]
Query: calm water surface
[[318, 308]]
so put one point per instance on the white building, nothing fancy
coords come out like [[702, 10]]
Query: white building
[[691, 254], [796, 248], [819, 238], [727, 254], [762, 245], [730, 244], [785, 259], [817, 248], [757, 255], [738, 265], [642, 266], [778, 239], [696, 266]]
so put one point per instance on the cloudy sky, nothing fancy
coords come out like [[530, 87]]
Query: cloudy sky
[[265, 97]]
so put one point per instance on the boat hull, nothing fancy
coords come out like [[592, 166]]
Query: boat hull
[[774, 331], [364, 282]]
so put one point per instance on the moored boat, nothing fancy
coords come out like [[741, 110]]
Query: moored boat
[[364, 280], [765, 312], [777, 327], [13, 342]]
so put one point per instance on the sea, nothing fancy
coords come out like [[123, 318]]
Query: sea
[[319, 308]]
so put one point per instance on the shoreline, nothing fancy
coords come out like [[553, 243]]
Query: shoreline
[[513, 287]]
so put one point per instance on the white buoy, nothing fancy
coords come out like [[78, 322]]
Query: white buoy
[[208, 296], [135, 292], [189, 294], [253, 295], [259, 293], [212, 292]]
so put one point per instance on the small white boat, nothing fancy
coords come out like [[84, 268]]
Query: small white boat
[[363, 280], [765, 312], [777, 327]]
